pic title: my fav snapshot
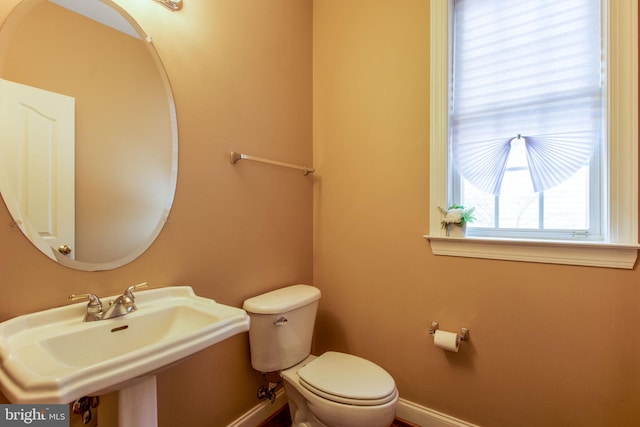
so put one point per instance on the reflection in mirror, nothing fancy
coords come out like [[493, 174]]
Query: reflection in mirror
[[88, 137], [174, 5]]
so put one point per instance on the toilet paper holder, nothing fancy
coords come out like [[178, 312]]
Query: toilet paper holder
[[464, 332]]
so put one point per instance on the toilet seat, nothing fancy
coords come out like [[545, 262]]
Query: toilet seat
[[348, 379]]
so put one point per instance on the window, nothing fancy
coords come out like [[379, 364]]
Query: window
[[485, 130], [526, 117]]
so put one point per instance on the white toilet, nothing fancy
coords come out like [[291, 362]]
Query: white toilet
[[330, 390]]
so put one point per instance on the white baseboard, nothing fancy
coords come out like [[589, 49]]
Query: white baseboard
[[407, 411], [261, 411], [425, 417]]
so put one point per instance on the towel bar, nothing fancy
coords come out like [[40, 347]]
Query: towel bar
[[234, 157]]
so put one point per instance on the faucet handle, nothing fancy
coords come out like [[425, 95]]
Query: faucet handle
[[130, 289], [94, 301], [94, 308]]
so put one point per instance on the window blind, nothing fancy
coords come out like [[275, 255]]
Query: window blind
[[530, 69]]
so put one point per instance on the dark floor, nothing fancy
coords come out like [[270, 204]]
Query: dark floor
[[282, 418]]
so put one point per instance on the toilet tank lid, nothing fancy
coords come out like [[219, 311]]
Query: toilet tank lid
[[282, 300]]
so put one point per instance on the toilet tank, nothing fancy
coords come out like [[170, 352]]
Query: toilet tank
[[281, 326]]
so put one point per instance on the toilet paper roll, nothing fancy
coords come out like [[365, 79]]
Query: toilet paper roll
[[449, 341]]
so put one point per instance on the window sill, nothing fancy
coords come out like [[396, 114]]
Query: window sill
[[592, 254]]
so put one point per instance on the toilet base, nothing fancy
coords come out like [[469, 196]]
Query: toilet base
[[301, 416]]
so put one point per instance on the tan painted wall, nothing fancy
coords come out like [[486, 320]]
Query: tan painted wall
[[550, 345], [241, 75]]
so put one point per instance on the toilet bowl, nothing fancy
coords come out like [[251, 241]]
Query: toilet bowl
[[330, 390], [337, 389]]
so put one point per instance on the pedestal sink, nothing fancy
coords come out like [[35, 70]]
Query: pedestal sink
[[53, 356]]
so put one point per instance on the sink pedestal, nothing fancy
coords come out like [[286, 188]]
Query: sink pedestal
[[133, 406]]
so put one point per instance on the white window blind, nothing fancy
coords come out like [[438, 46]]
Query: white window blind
[[526, 69]]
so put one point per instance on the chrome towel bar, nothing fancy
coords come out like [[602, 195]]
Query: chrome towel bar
[[234, 157]]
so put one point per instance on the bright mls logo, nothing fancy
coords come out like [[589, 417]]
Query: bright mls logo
[[34, 415]]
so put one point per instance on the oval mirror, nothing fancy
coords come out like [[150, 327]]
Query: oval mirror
[[88, 134]]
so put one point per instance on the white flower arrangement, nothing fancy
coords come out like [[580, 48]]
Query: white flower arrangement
[[456, 214]]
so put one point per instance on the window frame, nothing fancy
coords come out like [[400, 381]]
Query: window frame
[[619, 248]]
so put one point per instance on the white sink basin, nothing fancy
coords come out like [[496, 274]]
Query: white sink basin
[[53, 356]]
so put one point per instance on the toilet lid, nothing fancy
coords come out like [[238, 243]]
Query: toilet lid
[[348, 379]]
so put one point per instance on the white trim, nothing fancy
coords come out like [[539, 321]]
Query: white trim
[[425, 417], [259, 413], [407, 411], [622, 75], [589, 254], [620, 251], [439, 111]]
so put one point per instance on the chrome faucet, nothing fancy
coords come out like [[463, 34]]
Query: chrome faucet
[[124, 304]]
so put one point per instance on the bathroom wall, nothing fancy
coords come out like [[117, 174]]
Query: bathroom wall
[[241, 75], [550, 345]]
